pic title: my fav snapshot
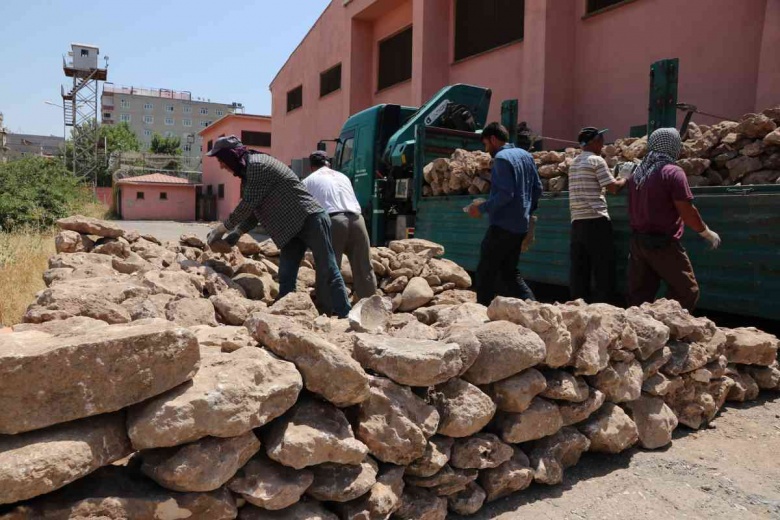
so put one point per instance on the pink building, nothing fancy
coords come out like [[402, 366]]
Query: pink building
[[156, 197], [570, 63], [255, 132]]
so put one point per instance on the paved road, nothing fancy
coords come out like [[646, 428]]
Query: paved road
[[168, 230]]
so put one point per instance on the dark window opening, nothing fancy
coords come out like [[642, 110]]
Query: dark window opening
[[330, 80], [295, 98], [395, 59], [84, 52], [598, 5], [482, 25], [209, 146], [221, 191], [209, 190], [139, 195], [163, 195], [256, 138]]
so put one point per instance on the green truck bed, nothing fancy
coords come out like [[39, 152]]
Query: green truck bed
[[742, 277]]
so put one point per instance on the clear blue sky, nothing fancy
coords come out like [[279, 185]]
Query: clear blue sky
[[223, 51]]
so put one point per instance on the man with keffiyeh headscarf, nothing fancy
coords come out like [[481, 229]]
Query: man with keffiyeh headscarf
[[660, 205], [274, 196]]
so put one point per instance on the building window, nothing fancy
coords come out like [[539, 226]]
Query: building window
[[169, 121], [186, 122], [204, 111], [169, 108], [125, 118], [220, 113], [124, 103], [169, 134], [395, 59], [139, 195], [209, 146], [598, 5], [84, 53], [209, 190], [148, 106], [482, 25], [187, 147], [148, 120], [221, 191], [295, 98], [163, 195], [106, 115], [187, 109], [256, 138], [330, 80], [147, 133]]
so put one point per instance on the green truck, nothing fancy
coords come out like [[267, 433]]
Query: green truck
[[384, 149]]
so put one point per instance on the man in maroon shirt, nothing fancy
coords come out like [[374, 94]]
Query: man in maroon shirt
[[660, 205]]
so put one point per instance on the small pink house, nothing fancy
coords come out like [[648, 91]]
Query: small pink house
[[156, 197], [255, 132]]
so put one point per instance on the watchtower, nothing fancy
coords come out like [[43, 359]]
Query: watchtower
[[80, 106]]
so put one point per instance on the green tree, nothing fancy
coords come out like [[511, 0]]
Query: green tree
[[165, 145], [119, 138], [110, 139]]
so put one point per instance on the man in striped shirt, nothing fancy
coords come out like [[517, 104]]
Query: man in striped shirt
[[592, 254]]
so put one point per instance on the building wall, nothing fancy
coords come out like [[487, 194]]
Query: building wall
[[180, 205], [570, 70], [213, 175], [112, 104]]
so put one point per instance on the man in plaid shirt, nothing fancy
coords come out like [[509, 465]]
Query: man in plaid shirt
[[272, 195]]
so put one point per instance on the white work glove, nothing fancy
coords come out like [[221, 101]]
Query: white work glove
[[625, 170], [216, 234], [711, 237], [530, 238]]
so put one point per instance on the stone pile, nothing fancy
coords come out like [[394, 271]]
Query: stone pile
[[114, 407], [464, 172], [745, 152]]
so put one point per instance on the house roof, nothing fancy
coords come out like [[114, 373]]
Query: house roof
[[156, 178], [228, 116]]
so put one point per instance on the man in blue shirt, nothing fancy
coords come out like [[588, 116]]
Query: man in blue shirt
[[514, 196]]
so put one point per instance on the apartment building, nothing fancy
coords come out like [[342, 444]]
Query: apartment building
[[166, 112], [30, 145], [569, 63]]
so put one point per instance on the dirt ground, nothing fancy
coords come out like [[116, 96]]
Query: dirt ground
[[731, 470]]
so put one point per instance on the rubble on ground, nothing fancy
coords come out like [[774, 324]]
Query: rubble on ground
[[177, 396]]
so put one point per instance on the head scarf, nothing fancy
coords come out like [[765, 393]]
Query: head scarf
[[235, 159], [664, 147]]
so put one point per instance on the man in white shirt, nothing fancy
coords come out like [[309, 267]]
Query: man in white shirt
[[333, 190]]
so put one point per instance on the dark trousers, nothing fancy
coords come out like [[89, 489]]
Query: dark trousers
[[314, 235], [497, 273], [648, 264], [592, 260]]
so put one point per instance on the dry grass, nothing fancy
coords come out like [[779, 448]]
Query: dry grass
[[24, 257]]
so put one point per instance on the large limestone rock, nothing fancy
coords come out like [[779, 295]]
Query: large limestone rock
[[553, 454], [511, 476], [175, 283], [563, 386], [416, 294], [228, 339], [233, 308], [39, 462], [342, 482], [652, 335], [515, 394], [419, 331], [655, 362], [118, 493], [381, 501], [394, 423], [755, 126], [481, 451], [750, 346], [541, 419], [295, 305], [327, 369], [75, 326], [767, 378], [417, 246], [266, 484], [90, 226], [544, 319], [409, 362], [449, 271], [446, 482], [436, 456], [505, 350], [72, 242], [313, 433], [573, 413], [468, 501], [50, 380], [682, 326], [230, 395], [303, 510], [463, 408], [696, 404], [620, 382], [589, 338], [421, 504], [203, 465], [187, 312], [654, 421], [464, 337], [610, 430], [371, 315], [261, 287]]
